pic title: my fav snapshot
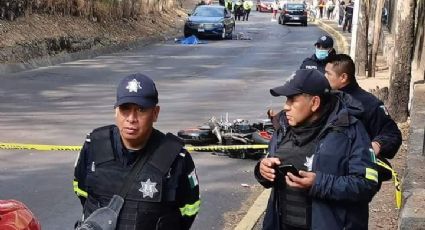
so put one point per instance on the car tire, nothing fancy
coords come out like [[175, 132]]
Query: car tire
[[304, 23], [187, 33]]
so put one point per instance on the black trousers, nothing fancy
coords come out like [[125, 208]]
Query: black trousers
[[347, 23], [245, 17]]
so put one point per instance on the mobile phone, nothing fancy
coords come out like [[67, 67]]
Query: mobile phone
[[284, 169]]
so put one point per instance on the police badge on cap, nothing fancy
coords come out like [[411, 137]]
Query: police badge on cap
[[137, 89]]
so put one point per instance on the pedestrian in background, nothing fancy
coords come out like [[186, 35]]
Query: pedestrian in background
[[158, 174], [323, 50], [341, 13], [321, 8], [382, 129], [330, 6], [349, 9], [317, 133], [275, 9]]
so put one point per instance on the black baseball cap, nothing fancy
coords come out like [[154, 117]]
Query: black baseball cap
[[309, 81], [325, 42], [138, 89]]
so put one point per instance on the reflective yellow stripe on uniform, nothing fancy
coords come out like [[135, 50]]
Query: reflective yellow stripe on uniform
[[79, 191], [190, 209], [372, 174]]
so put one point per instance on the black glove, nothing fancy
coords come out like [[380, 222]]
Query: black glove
[[104, 218]]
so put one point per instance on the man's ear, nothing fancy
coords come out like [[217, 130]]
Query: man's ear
[[344, 79], [156, 113], [315, 103]]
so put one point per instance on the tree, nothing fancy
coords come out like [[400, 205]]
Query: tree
[[362, 42], [376, 38], [401, 70]]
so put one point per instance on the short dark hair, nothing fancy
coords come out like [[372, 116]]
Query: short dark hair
[[343, 64]]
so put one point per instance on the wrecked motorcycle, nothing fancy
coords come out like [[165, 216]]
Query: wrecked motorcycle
[[223, 132]]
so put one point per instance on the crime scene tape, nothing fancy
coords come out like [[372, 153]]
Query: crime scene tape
[[224, 147], [40, 147], [396, 183], [78, 148]]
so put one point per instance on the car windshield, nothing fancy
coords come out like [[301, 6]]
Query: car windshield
[[295, 6], [209, 12]]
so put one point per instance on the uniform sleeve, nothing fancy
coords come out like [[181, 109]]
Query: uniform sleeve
[[188, 198], [384, 131], [358, 180], [80, 172]]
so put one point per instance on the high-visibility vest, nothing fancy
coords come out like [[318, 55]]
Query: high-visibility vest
[[247, 5]]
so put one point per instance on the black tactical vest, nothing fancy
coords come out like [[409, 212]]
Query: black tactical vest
[[151, 200], [294, 204]]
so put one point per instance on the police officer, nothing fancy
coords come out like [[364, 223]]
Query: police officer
[[383, 131], [318, 135], [247, 6], [239, 10], [165, 192], [324, 50]]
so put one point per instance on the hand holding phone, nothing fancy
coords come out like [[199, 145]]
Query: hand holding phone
[[285, 168]]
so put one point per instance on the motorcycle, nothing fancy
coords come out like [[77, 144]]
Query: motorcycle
[[222, 132]]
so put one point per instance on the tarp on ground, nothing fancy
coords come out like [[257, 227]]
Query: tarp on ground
[[192, 40]]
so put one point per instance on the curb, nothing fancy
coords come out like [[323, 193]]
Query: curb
[[255, 211], [340, 39], [412, 212]]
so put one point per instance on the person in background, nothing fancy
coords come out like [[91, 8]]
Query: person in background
[[330, 6], [341, 13], [275, 9], [324, 50], [247, 6], [349, 9], [321, 7], [383, 131]]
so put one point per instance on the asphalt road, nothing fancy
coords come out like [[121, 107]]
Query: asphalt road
[[60, 104]]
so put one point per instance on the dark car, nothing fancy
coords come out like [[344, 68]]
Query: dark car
[[265, 5], [293, 12], [210, 20]]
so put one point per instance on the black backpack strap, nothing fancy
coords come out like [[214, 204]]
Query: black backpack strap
[[166, 153]]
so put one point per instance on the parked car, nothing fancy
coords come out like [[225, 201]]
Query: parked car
[[265, 5], [293, 12], [210, 20]]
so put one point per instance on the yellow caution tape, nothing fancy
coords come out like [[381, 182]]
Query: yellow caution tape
[[78, 148], [224, 147], [396, 182], [40, 147]]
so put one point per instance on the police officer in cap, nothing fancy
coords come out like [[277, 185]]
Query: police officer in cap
[[334, 174], [164, 193], [324, 50], [383, 131]]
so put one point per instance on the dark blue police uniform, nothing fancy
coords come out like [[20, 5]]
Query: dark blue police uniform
[[156, 200]]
